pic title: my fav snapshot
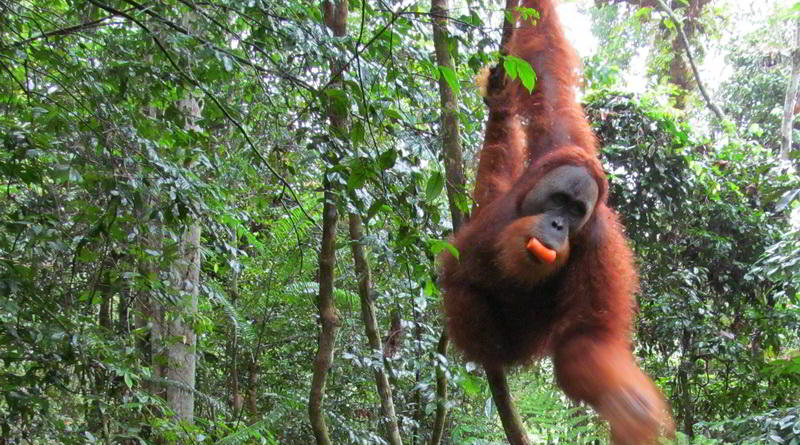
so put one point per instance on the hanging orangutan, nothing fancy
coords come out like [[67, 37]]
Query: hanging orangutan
[[543, 265]]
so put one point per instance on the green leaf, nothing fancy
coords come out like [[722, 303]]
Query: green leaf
[[377, 206], [357, 133], [510, 67], [470, 384], [526, 75], [516, 67], [509, 16], [528, 14], [450, 77], [387, 159], [391, 112], [435, 186], [339, 101], [359, 173], [437, 246], [644, 13]]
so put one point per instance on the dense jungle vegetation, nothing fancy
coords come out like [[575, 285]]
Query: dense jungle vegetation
[[219, 220]]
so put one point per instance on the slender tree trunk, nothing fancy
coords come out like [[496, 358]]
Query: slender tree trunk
[[688, 49], [252, 387], [148, 307], [233, 347], [419, 411], [148, 310], [335, 16], [182, 338], [687, 411], [123, 326], [371, 326], [451, 137], [97, 422], [328, 317], [512, 423], [185, 280], [441, 390], [454, 171], [791, 98], [508, 25], [106, 294]]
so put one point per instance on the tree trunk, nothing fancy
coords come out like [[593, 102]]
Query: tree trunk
[[233, 347], [123, 326], [182, 338], [451, 138], [419, 411], [441, 390], [371, 326], [454, 171], [512, 423], [335, 17], [687, 411], [694, 11], [106, 294], [328, 317], [791, 98], [508, 26], [148, 311], [252, 388]]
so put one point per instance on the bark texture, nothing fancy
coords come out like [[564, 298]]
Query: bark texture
[[328, 317], [454, 172], [182, 339], [335, 15], [512, 423], [371, 326], [791, 98], [451, 135]]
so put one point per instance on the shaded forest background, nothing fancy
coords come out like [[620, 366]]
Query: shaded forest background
[[219, 220]]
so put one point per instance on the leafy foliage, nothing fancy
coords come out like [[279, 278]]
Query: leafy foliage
[[121, 125]]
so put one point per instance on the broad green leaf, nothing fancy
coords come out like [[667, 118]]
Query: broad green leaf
[[526, 75], [387, 159], [516, 67], [359, 173], [437, 246], [357, 133], [435, 186], [450, 77], [510, 67], [644, 13]]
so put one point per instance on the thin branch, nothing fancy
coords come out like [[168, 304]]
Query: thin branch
[[791, 98], [68, 30], [338, 73], [711, 105], [225, 51], [512, 422], [214, 99]]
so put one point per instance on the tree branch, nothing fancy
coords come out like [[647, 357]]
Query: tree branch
[[68, 30], [214, 99], [791, 98], [711, 105], [512, 423]]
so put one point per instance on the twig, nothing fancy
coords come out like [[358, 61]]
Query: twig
[[214, 99], [711, 105], [68, 30]]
